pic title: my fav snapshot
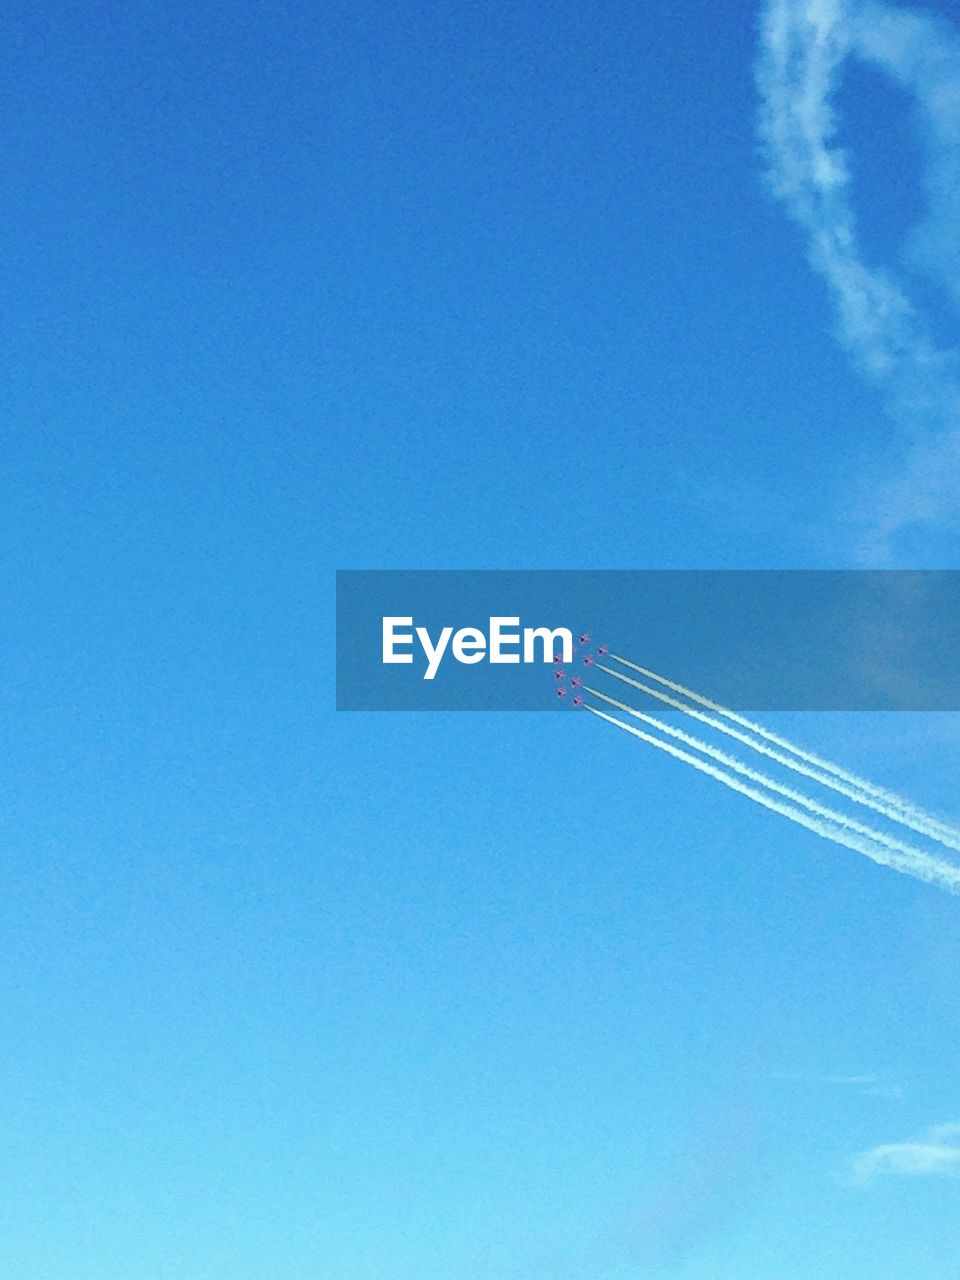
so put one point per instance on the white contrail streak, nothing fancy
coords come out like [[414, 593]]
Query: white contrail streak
[[754, 775], [890, 798], [891, 806], [920, 866]]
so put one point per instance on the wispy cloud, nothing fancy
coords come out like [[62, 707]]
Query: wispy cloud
[[854, 1082], [875, 1086], [805, 44], [937, 1153]]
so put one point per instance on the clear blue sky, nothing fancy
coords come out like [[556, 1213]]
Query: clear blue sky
[[288, 995]]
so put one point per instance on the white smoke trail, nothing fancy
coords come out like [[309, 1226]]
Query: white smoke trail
[[754, 775], [920, 866], [804, 46], [920, 825], [913, 815]]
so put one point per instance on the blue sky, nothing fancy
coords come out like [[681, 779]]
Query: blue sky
[[296, 995]]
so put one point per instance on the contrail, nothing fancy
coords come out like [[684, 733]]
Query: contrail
[[920, 866], [888, 804], [754, 775], [925, 822]]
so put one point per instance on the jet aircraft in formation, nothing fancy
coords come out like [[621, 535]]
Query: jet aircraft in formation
[[588, 659]]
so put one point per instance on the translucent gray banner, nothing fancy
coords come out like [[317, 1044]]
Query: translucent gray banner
[[754, 640]]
